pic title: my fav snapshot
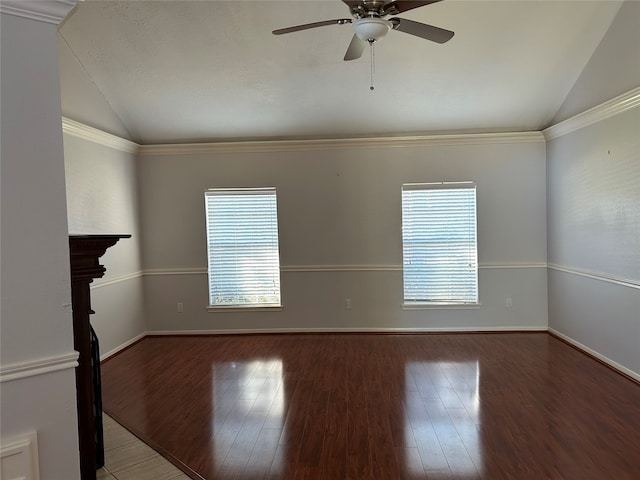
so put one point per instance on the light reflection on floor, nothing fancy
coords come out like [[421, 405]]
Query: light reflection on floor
[[259, 405], [442, 404]]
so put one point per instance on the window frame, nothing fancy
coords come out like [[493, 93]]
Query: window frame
[[460, 303], [273, 218]]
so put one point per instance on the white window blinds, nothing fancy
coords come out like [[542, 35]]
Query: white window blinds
[[440, 262], [242, 240]]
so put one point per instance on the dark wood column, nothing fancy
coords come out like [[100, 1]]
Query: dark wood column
[[85, 250]]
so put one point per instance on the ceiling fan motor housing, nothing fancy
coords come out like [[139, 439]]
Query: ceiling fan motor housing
[[371, 29], [370, 26]]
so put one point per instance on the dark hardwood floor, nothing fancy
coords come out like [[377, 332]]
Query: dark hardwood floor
[[384, 407]]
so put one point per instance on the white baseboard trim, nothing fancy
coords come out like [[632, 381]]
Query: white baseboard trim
[[442, 330], [126, 344], [31, 368], [500, 329], [599, 356]]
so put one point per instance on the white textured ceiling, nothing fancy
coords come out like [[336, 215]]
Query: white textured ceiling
[[186, 71]]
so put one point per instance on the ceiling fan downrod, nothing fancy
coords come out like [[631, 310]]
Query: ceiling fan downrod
[[373, 62]]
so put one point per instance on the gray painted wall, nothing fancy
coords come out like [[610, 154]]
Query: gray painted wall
[[593, 206], [593, 185], [36, 296], [342, 207], [594, 194], [614, 67], [102, 198]]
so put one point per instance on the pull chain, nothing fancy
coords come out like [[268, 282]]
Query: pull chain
[[373, 62]]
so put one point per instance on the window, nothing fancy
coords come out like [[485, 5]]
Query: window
[[440, 264], [242, 241]]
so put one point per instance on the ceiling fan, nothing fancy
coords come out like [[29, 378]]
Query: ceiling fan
[[370, 25]]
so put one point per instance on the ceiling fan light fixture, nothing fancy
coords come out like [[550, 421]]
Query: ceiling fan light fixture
[[371, 29]]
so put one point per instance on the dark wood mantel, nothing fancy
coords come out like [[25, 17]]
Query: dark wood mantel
[[85, 250]]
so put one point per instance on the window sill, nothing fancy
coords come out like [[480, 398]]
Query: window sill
[[441, 306], [241, 308]]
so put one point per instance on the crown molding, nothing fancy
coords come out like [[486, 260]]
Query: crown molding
[[80, 130], [341, 144], [85, 132], [50, 11], [619, 104]]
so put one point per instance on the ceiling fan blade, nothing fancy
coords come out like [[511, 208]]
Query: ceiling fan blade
[[356, 47], [429, 32], [399, 6], [357, 7], [306, 26]]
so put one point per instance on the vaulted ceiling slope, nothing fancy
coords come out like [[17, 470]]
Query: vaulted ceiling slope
[[189, 71]]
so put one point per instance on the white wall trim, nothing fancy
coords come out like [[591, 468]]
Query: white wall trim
[[337, 268], [615, 106], [340, 268], [605, 110], [117, 279], [174, 271], [441, 306], [19, 457], [497, 329], [341, 144], [80, 130], [31, 368], [49, 11], [85, 132], [541, 329], [625, 282], [599, 356], [126, 344], [507, 266]]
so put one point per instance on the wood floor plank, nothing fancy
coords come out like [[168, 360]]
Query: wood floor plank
[[334, 449], [383, 407], [426, 439]]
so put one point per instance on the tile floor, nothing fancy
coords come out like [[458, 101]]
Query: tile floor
[[127, 458]]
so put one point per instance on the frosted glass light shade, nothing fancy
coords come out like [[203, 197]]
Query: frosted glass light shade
[[371, 28]]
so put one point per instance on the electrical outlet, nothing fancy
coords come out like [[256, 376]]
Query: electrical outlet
[[508, 303], [347, 304], [180, 307]]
